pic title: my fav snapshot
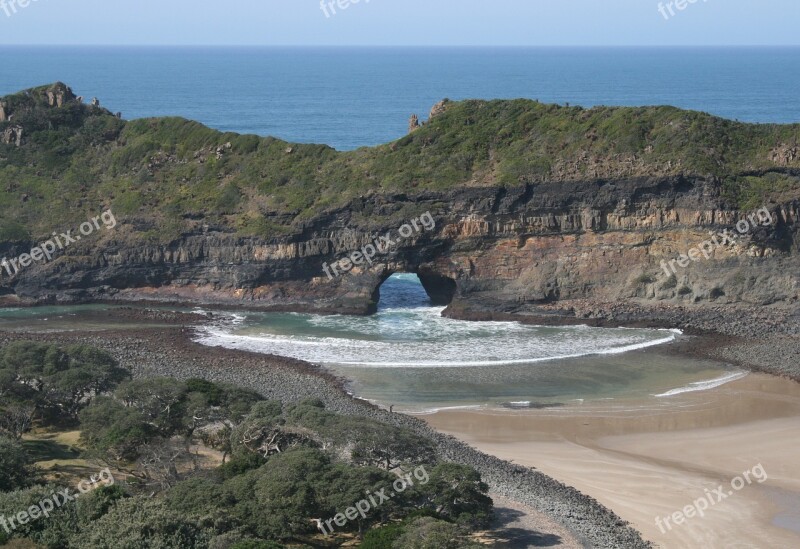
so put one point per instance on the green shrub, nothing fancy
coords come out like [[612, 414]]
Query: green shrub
[[383, 537]]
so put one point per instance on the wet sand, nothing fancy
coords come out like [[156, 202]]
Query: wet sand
[[650, 458]]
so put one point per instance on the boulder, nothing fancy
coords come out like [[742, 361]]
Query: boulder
[[413, 123], [438, 109], [12, 135]]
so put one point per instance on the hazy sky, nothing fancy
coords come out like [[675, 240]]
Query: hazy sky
[[402, 22]]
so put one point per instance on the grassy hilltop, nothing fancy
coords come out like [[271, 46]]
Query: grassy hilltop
[[168, 173]]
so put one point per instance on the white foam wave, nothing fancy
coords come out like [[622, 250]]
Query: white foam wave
[[406, 354], [409, 333], [431, 411], [704, 385]]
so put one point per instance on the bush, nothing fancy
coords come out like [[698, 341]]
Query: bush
[[429, 533], [382, 538], [240, 464], [16, 469], [258, 545], [53, 531], [141, 523]]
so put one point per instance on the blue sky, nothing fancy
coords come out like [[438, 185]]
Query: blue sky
[[402, 22]]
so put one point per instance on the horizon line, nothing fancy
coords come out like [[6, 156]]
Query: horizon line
[[653, 46]]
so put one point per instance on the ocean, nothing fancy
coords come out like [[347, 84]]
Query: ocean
[[355, 97]]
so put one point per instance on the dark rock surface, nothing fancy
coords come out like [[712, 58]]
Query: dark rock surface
[[508, 250]]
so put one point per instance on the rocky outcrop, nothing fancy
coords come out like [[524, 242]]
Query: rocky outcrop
[[3, 113], [438, 108], [413, 123], [504, 250], [785, 155], [12, 136], [58, 95]]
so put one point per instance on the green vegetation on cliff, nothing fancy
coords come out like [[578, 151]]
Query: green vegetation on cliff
[[171, 174]]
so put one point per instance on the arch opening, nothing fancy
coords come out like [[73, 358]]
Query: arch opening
[[409, 290]]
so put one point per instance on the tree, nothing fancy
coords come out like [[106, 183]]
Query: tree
[[161, 459], [431, 533], [16, 470], [387, 446], [214, 409], [370, 442], [287, 488], [383, 537], [458, 493], [98, 502], [264, 432], [58, 382], [198, 497], [278, 500], [257, 544], [215, 402], [345, 485], [113, 432], [160, 401], [16, 419]]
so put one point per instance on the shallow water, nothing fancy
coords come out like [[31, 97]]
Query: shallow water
[[407, 332], [87, 318], [410, 356]]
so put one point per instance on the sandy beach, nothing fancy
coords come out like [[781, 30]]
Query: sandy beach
[[652, 458]]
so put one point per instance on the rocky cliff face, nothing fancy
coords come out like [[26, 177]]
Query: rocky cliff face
[[530, 206], [507, 250]]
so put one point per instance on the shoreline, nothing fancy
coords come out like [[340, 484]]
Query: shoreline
[[765, 340], [170, 351]]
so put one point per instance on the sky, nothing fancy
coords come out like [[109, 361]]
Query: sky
[[400, 22]]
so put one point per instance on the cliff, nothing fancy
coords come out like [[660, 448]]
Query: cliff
[[533, 205]]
